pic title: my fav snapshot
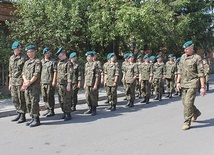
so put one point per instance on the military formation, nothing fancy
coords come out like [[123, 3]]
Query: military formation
[[142, 76]]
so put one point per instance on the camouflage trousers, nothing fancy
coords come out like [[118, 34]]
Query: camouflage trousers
[[188, 98], [91, 96], [130, 91], [32, 99], [158, 86], [74, 98], [206, 79], [18, 99], [146, 88], [138, 88], [65, 98], [112, 94], [48, 92], [124, 86], [170, 85]]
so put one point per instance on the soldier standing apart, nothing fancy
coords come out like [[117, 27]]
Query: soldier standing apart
[[130, 78], [138, 84], [111, 74], [64, 83], [170, 75], [76, 80], [16, 64], [145, 78], [48, 81], [31, 76], [159, 72], [189, 74], [91, 83], [124, 64]]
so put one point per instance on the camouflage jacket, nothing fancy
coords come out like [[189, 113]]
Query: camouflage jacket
[[77, 74], [170, 69], [16, 63], [190, 69], [91, 72], [111, 71], [206, 69], [48, 69], [131, 70], [145, 71], [159, 70]]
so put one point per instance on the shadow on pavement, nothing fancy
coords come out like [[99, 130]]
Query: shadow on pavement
[[203, 124]]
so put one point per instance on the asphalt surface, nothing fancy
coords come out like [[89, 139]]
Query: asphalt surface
[[153, 129]]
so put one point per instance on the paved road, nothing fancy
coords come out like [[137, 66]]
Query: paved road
[[153, 129]]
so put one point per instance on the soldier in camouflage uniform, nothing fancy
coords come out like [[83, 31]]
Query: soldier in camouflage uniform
[[16, 64], [124, 64], [189, 74], [48, 81], [91, 83], [159, 72], [64, 83], [76, 80], [145, 78], [31, 85], [170, 75], [102, 80], [176, 76], [206, 73], [152, 62], [111, 74], [131, 74], [138, 84]]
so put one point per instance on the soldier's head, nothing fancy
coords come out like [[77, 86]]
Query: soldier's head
[[16, 47], [146, 58], [112, 57], [159, 58], [188, 47], [73, 57], [31, 51], [46, 52], [61, 54], [89, 56], [125, 56], [152, 58], [131, 57], [171, 57], [94, 55], [139, 58]]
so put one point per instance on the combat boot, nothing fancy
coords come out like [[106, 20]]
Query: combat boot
[[46, 112], [185, 127], [156, 97], [29, 122], [131, 104], [68, 116], [51, 113], [113, 107], [73, 108], [160, 97], [168, 94], [94, 111], [194, 118], [110, 106], [107, 101], [17, 117], [62, 116], [36, 122], [128, 103], [22, 119], [144, 100], [176, 93], [89, 110]]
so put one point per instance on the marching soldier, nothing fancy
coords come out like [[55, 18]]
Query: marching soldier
[[31, 85], [104, 68], [48, 81], [111, 74], [206, 73], [176, 76], [131, 74], [138, 84], [91, 83], [124, 64], [145, 78], [190, 70], [159, 72], [170, 75], [76, 80], [64, 83], [16, 64], [152, 62]]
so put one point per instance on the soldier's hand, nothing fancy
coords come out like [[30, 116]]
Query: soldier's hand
[[78, 85], [95, 88], [132, 81], [203, 91], [53, 84], [178, 86], [9, 87], [115, 84], [68, 88]]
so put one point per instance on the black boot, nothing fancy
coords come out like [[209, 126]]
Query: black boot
[[36, 122], [176, 93], [94, 111], [125, 98], [68, 116], [89, 110], [131, 104], [113, 107], [160, 97], [17, 117], [168, 94], [147, 100], [51, 113], [46, 112], [156, 97], [207, 86], [128, 103], [110, 106], [22, 119], [62, 116], [29, 122], [73, 108], [144, 100], [107, 101]]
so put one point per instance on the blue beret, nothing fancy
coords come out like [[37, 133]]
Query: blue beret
[[158, 56], [30, 47], [187, 44], [130, 55], [91, 53], [170, 55], [178, 59], [72, 55], [126, 55], [152, 57], [146, 56], [59, 51], [45, 50], [110, 55], [15, 45], [139, 56]]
